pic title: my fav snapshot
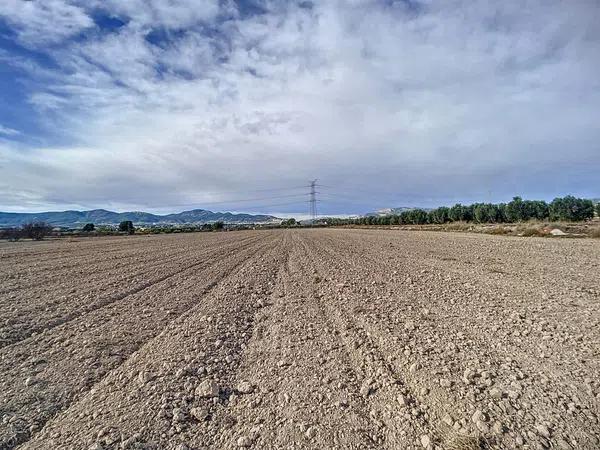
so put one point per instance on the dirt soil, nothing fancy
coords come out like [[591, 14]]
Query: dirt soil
[[300, 339]]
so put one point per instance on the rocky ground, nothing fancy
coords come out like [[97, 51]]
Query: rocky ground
[[294, 339]]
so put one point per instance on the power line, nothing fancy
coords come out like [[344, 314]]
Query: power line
[[301, 202], [225, 202], [233, 201], [256, 190]]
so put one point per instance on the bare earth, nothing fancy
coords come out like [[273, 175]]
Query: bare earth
[[296, 339]]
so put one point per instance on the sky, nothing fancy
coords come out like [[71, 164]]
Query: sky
[[167, 105]]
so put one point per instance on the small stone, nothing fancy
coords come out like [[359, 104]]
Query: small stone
[[245, 387], [425, 441], [29, 381], [244, 441], [179, 415], [478, 416], [182, 447], [482, 426], [543, 430], [402, 401], [207, 389], [342, 402], [514, 394], [365, 389], [199, 414], [495, 393], [409, 326], [96, 446], [498, 428], [448, 420], [311, 432], [468, 376], [445, 383], [144, 377]]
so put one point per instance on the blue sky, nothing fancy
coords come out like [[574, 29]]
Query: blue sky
[[169, 105]]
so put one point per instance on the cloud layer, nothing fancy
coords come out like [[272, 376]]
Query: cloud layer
[[164, 105]]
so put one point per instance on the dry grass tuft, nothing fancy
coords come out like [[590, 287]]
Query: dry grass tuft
[[498, 231], [450, 439], [459, 226], [462, 442], [532, 231]]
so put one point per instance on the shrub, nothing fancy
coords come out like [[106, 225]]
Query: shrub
[[289, 222], [127, 226], [218, 226], [88, 227], [498, 231], [12, 234], [35, 230], [532, 231]]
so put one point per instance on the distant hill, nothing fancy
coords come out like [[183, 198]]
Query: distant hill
[[397, 210], [75, 219]]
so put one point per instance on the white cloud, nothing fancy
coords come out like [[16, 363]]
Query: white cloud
[[39, 22], [443, 102], [175, 14], [7, 131]]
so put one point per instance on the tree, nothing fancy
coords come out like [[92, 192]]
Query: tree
[[460, 213], [439, 215], [384, 220], [127, 226], [571, 209], [218, 226], [534, 209], [88, 227], [289, 222], [598, 209], [36, 230], [414, 216], [455, 213], [515, 210], [480, 213], [502, 212]]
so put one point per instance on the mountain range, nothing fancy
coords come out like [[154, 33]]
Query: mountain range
[[76, 219]]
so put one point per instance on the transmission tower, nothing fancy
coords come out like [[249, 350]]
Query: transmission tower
[[313, 200]]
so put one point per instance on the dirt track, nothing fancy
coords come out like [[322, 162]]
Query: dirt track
[[323, 339]]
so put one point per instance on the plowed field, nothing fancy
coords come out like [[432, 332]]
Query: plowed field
[[295, 339]]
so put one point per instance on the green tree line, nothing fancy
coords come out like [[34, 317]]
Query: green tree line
[[569, 208]]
